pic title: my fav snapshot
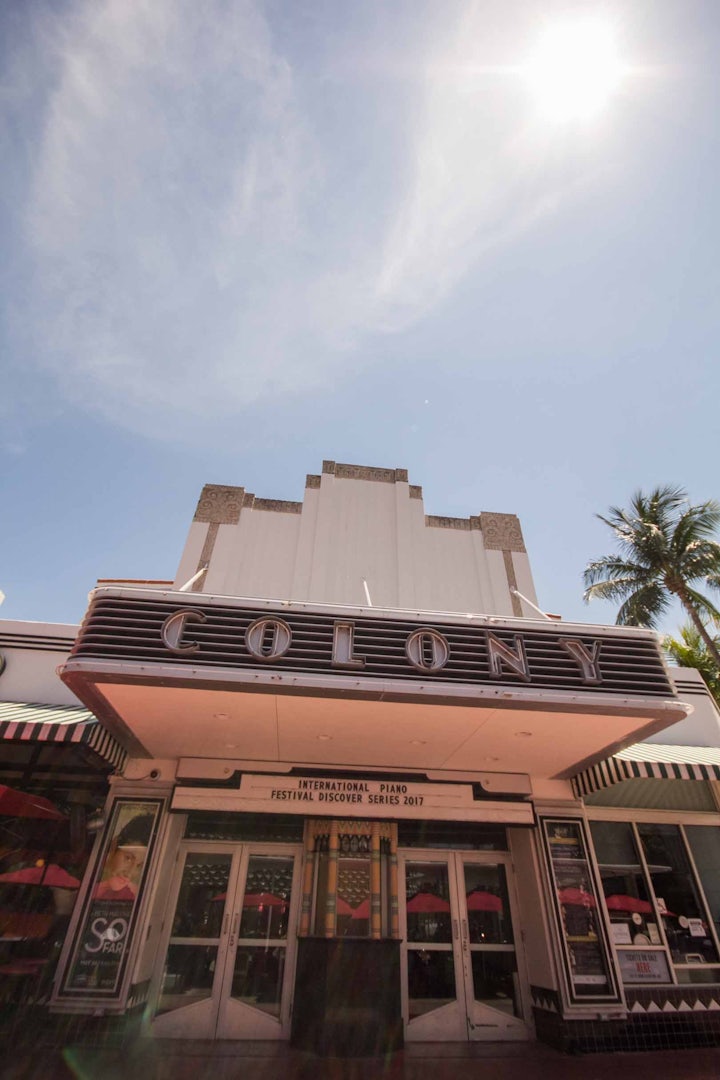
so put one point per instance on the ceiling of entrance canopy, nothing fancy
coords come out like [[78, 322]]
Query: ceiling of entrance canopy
[[181, 721]]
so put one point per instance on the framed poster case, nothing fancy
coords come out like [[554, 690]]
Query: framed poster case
[[97, 967], [585, 952]]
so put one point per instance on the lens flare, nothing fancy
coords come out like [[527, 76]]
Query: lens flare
[[575, 70]]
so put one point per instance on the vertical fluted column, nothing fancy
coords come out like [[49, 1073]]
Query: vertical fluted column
[[332, 879], [394, 919], [307, 893], [375, 886]]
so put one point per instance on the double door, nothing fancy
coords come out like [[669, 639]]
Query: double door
[[462, 968], [229, 943]]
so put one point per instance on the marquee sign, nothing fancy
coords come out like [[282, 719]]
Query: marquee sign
[[216, 633], [355, 797]]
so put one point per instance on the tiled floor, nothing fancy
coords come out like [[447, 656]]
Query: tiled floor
[[165, 1060]]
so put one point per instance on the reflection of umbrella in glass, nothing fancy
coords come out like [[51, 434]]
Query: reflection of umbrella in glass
[[479, 900], [17, 804], [52, 875], [618, 902], [425, 903], [262, 900], [362, 911], [576, 897], [257, 899]]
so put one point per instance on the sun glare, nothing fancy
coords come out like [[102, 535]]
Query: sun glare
[[575, 70]]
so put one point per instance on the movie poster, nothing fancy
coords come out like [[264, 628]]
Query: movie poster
[[105, 930]]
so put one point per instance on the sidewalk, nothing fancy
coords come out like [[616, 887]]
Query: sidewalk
[[196, 1060]]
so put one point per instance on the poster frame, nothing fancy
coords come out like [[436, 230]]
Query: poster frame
[[613, 995], [111, 996]]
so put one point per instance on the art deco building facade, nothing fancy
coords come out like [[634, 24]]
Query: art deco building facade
[[370, 794]]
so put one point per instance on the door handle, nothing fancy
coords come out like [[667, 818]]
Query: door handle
[[226, 920], [456, 932], [465, 934], [235, 928]]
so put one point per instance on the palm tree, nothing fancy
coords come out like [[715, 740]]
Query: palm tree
[[666, 547], [689, 650]]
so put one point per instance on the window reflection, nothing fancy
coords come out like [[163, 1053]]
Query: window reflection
[[487, 903], [431, 980], [201, 900], [428, 902], [266, 901], [678, 900], [627, 897]]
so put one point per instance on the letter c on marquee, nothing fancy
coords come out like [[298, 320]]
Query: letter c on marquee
[[174, 627]]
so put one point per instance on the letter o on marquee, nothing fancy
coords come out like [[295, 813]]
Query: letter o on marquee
[[268, 639], [427, 650]]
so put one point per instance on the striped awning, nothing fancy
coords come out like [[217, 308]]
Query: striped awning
[[650, 761], [21, 722]]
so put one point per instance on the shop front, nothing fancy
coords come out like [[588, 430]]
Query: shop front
[[352, 824]]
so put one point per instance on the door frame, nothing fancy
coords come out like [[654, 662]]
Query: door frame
[[208, 1019], [447, 1023]]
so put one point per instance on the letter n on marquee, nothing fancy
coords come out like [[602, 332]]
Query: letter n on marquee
[[501, 655]]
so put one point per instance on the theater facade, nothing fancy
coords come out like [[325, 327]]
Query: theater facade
[[373, 794]]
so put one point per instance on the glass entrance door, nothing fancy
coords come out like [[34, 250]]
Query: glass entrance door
[[461, 977], [229, 944]]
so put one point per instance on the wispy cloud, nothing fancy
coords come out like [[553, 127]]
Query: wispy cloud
[[180, 262]]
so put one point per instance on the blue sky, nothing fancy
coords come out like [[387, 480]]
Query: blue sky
[[240, 238]]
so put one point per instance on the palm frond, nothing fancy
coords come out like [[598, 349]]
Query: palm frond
[[699, 522], [645, 607], [612, 566], [705, 608], [700, 559]]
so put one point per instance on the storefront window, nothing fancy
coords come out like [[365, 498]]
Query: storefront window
[[704, 844], [627, 898], [655, 902], [677, 895], [46, 835]]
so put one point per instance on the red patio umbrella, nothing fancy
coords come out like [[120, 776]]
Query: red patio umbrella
[[258, 899], [576, 897], [262, 900], [483, 901], [618, 902], [51, 875], [17, 804], [426, 903]]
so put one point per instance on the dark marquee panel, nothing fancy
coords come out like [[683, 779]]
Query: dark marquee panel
[[130, 629]]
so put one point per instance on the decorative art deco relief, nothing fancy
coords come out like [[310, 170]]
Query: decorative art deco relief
[[365, 472], [281, 506], [219, 504], [501, 532], [446, 522]]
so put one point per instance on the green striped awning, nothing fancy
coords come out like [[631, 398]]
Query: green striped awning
[[650, 761], [36, 723]]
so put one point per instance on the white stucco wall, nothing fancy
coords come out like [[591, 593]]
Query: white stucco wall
[[32, 652], [357, 523], [702, 727]]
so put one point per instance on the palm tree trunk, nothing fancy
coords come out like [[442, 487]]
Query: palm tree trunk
[[699, 625]]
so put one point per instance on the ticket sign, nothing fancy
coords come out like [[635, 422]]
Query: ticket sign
[[641, 966], [361, 797]]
